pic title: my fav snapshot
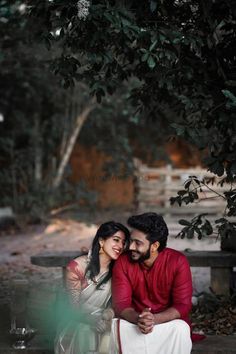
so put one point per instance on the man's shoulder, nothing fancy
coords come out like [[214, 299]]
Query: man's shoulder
[[123, 261], [124, 258], [174, 254], [173, 251]]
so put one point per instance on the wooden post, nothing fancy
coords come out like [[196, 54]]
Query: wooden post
[[167, 184], [64, 276], [220, 280]]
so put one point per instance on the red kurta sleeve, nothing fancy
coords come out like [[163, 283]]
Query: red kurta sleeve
[[182, 287], [121, 287]]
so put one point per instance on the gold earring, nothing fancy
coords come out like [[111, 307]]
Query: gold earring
[[101, 248]]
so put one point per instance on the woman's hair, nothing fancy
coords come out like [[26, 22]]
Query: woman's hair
[[153, 225], [105, 231]]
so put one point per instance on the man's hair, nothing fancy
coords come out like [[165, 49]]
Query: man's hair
[[153, 225]]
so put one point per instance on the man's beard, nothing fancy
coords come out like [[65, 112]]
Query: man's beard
[[143, 256]]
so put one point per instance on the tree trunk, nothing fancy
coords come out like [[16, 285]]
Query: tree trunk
[[71, 143], [37, 151]]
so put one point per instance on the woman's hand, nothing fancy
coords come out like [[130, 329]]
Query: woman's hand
[[108, 314], [104, 323], [101, 326]]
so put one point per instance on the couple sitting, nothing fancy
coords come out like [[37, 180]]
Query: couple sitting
[[151, 290]]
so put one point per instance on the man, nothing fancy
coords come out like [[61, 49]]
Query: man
[[151, 291]]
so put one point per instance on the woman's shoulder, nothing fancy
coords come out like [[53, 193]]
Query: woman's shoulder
[[81, 260], [78, 265]]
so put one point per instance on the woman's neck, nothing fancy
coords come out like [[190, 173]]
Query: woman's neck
[[104, 262]]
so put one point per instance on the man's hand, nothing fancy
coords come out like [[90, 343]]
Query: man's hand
[[146, 321]]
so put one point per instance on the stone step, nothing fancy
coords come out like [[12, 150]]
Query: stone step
[[210, 345], [215, 345]]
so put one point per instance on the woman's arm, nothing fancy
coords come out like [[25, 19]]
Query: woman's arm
[[75, 276], [75, 282]]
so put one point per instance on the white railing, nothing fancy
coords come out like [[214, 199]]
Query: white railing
[[155, 186]]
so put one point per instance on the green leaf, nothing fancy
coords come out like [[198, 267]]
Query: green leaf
[[153, 5], [145, 57], [190, 233], [153, 45], [176, 40], [208, 228], [230, 95], [125, 22], [220, 221], [184, 222], [182, 192], [217, 168], [151, 62], [180, 129], [231, 103]]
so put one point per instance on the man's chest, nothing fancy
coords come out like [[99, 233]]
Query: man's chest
[[152, 283]]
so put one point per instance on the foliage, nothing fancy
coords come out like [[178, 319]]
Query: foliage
[[37, 117], [200, 225], [114, 128], [214, 314], [182, 52]]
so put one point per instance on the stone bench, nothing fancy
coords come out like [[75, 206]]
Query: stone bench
[[220, 262]]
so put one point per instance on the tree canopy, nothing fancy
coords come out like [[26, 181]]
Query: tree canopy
[[180, 54], [182, 51], [40, 117]]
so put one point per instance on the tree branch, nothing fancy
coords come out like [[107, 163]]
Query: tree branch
[[71, 143]]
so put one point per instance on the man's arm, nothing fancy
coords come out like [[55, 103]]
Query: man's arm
[[182, 288], [130, 315], [165, 316], [147, 320], [181, 295], [122, 298], [122, 292]]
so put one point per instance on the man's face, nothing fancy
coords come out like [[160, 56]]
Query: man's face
[[139, 246]]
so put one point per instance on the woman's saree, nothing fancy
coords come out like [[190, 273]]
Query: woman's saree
[[78, 337]]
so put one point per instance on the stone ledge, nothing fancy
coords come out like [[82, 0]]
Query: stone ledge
[[210, 345], [216, 345], [218, 259]]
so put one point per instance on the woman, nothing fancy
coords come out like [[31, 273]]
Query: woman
[[88, 281]]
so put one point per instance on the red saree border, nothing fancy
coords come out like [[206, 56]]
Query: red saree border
[[118, 335]]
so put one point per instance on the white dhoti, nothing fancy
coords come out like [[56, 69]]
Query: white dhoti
[[167, 338]]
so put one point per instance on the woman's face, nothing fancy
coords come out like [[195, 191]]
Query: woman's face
[[114, 245]]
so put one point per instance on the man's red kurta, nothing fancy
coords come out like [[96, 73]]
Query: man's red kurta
[[168, 283]]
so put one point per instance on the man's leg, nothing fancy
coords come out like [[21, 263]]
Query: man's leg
[[167, 338], [179, 338]]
